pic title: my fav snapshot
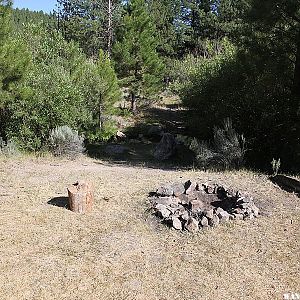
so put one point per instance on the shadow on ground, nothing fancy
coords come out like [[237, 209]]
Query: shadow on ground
[[288, 184], [141, 154], [62, 202]]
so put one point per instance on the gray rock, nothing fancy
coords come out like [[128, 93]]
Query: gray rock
[[155, 131], [178, 189], [176, 223], [165, 191], [166, 147], [192, 225], [204, 222], [183, 199], [255, 210], [196, 205], [162, 211], [219, 210], [191, 187], [210, 214], [116, 149], [238, 216], [162, 200], [214, 221], [223, 216], [185, 216]]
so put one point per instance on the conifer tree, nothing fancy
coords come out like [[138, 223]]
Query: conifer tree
[[136, 56]]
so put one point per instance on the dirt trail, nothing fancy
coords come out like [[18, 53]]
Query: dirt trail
[[119, 252]]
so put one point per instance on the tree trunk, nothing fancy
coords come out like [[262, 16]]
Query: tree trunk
[[296, 83], [110, 29], [81, 197], [133, 102]]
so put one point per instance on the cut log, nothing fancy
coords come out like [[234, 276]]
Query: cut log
[[81, 197]]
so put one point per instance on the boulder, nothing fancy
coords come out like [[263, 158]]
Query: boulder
[[190, 187], [116, 149], [166, 147], [155, 131], [162, 200], [183, 199]]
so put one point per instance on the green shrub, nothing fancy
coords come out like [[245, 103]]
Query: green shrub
[[8, 148], [64, 141], [226, 151]]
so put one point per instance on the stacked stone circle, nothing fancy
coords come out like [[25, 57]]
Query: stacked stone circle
[[192, 206]]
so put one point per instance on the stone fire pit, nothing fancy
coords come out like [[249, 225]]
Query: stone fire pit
[[192, 205]]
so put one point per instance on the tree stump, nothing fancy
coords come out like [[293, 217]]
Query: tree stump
[[81, 197]]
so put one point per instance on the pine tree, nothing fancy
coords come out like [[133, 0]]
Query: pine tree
[[136, 54], [13, 62]]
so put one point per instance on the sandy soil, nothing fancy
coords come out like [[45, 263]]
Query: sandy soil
[[120, 252]]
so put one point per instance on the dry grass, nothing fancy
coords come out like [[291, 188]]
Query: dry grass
[[119, 252]]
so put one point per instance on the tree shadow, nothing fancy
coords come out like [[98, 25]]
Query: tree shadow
[[288, 184], [62, 202]]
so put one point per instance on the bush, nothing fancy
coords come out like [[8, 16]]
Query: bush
[[227, 150], [66, 142], [8, 148]]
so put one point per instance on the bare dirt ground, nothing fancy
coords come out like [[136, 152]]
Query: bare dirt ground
[[120, 252]]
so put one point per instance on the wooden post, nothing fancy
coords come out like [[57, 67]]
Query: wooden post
[[81, 197]]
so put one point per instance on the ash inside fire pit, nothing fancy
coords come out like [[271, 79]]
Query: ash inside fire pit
[[191, 206]]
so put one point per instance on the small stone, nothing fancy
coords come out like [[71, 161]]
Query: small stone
[[164, 191], [178, 189], [196, 205], [224, 216], [176, 223], [192, 225], [210, 214], [219, 210], [255, 210], [238, 216], [214, 221], [183, 199], [162, 211], [185, 216], [162, 200], [204, 222], [191, 188]]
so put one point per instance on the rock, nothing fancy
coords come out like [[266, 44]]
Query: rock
[[219, 210], [196, 205], [165, 191], [177, 210], [190, 187], [238, 216], [223, 216], [120, 135], [214, 221], [192, 225], [185, 216], [176, 223], [204, 222], [255, 210], [209, 214], [155, 131], [178, 189], [162, 211], [183, 199], [162, 200], [116, 149], [166, 147]]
